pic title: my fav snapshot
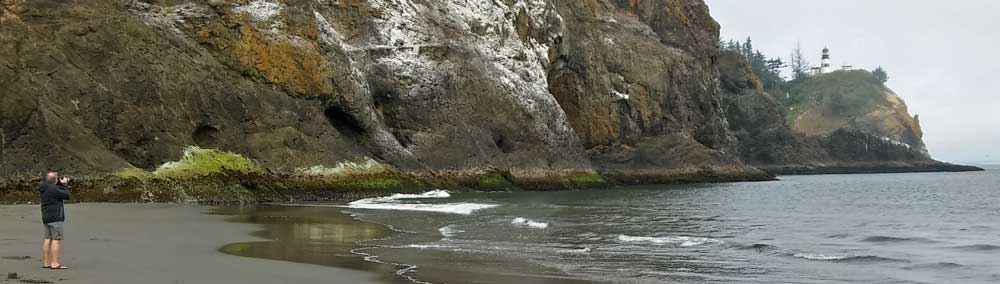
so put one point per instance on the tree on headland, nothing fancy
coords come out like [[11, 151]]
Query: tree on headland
[[768, 70], [880, 75], [798, 63]]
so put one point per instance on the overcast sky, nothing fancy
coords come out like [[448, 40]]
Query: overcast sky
[[943, 57]]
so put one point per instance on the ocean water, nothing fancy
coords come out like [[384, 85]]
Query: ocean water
[[882, 228]]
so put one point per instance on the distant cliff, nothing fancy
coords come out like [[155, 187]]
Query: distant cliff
[[544, 92], [840, 122], [819, 105]]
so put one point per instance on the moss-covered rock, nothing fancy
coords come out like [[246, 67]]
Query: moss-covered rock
[[561, 180], [200, 175], [197, 161]]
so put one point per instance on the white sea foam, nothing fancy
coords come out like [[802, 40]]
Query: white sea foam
[[682, 240], [529, 223], [426, 246], [430, 194], [454, 208], [811, 256], [575, 251], [449, 231], [394, 202]]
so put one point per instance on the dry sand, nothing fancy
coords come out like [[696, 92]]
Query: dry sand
[[147, 243]]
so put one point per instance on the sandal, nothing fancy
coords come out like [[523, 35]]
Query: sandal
[[59, 267]]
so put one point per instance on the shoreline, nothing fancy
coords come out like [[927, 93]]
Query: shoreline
[[150, 243], [229, 187], [869, 168]]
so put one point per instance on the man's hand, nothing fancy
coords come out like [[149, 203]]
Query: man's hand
[[64, 180]]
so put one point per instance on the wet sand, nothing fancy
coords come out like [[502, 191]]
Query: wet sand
[[325, 235], [148, 243]]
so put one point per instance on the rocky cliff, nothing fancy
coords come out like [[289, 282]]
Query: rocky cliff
[[841, 122], [855, 99], [542, 91], [534, 88]]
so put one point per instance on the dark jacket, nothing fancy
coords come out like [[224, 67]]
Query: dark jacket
[[52, 196]]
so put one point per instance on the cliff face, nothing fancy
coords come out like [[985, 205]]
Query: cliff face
[[855, 100], [534, 87], [538, 90], [757, 119], [842, 122], [637, 80]]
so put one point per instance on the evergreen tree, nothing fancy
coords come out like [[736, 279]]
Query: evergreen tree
[[798, 63], [880, 75], [768, 70], [747, 49], [774, 65]]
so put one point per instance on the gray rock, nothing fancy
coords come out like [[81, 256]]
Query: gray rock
[[535, 88]]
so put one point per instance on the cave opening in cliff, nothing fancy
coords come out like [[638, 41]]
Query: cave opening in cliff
[[343, 122], [502, 144], [206, 136]]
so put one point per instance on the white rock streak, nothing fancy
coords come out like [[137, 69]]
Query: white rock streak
[[895, 142], [262, 14], [168, 17], [327, 33], [484, 26], [259, 10]]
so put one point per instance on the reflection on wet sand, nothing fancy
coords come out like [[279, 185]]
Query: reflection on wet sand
[[313, 235], [327, 236]]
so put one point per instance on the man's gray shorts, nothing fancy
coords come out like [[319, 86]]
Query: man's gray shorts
[[54, 231]]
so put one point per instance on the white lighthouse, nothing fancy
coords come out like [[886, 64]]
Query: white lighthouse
[[824, 66]]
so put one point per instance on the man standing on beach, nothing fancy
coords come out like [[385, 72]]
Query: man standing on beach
[[54, 192]]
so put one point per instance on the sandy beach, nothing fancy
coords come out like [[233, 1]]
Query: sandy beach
[[147, 243]]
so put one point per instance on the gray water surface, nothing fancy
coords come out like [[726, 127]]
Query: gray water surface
[[885, 228]]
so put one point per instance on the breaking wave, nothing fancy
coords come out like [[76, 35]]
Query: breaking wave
[[427, 246], [395, 202], [430, 194], [682, 240], [522, 222], [449, 231], [575, 251]]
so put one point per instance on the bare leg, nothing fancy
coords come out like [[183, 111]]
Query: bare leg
[[54, 257], [45, 252]]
